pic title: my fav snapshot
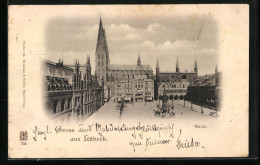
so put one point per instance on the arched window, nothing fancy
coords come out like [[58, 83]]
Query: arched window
[[181, 97], [176, 97]]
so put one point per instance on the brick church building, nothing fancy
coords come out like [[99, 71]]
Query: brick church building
[[111, 73]]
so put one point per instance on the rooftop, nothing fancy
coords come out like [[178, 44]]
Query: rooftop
[[129, 67]]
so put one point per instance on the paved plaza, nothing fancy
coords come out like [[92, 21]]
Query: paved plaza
[[142, 111]]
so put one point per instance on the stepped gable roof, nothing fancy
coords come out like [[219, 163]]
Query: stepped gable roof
[[129, 67]]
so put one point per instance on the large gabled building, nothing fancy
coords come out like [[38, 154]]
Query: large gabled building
[[174, 79]]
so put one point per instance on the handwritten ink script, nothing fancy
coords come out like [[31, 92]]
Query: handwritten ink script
[[142, 136]]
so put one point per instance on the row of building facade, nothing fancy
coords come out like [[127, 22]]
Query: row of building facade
[[71, 93], [139, 88], [118, 77]]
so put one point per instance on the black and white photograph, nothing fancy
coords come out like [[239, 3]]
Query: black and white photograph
[[128, 81], [110, 67]]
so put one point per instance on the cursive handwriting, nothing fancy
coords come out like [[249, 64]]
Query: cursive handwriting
[[141, 136], [150, 142], [186, 143]]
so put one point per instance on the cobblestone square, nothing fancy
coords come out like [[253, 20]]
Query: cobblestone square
[[141, 111]]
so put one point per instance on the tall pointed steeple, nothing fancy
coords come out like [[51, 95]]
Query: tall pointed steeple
[[102, 55], [216, 69], [157, 64], [139, 59], [196, 67], [177, 66], [101, 36]]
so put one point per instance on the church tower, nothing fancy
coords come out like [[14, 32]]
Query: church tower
[[196, 68], [101, 56], [139, 60]]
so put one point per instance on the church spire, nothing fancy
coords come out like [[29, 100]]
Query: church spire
[[102, 55], [195, 64], [196, 67], [101, 37], [139, 59], [100, 23], [177, 66], [157, 64]]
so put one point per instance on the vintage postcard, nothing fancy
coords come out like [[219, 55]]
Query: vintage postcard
[[128, 81]]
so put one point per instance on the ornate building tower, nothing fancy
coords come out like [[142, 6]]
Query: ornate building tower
[[102, 55], [196, 68], [177, 67], [88, 72], [76, 76], [139, 60]]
